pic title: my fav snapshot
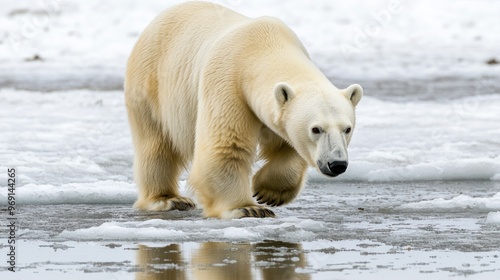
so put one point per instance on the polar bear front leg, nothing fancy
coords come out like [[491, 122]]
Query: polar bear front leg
[[222, 165], [281, 179], [223, 186]]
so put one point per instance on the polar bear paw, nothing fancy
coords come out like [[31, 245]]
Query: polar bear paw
[[248, 212], [275, 197], [167, 204]]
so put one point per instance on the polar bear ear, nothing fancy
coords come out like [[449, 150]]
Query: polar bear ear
[[283, 92], [353, 93]]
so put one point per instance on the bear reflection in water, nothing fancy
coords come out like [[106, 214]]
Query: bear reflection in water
[[222, 260]]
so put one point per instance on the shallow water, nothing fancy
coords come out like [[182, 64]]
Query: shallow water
[[335, 231]]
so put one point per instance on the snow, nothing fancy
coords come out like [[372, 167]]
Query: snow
[[238, 233], [365, 39], [100, 192], [252, 229], [493, 218], [459, 203]]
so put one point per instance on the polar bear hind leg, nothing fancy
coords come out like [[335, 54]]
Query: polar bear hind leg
[[156, 165]]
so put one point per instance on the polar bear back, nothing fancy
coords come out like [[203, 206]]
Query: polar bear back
[[167, 62]]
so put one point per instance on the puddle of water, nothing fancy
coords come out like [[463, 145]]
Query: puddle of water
[[345, 259]]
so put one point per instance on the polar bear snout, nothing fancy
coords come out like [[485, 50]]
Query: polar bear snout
[[337, 167], [333, 169]]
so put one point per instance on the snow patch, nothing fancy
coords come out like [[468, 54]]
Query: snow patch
[[238, 233], [105, 192], [402, 47], [380, 170], [458, 203], [288, 229], [493, 218]]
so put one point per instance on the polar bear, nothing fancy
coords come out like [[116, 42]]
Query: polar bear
[[208, 87]]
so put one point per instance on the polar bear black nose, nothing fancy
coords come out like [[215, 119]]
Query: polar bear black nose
[[337, 167]]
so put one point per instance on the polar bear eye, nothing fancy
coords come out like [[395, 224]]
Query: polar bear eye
[[348, 130], [316, 130]]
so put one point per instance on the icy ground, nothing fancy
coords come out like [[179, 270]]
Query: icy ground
[[347, 230], [421, 197]]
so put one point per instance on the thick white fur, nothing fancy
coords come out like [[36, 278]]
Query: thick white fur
[[202, 86]]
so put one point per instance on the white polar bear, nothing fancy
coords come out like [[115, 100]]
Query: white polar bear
[[207, 85]]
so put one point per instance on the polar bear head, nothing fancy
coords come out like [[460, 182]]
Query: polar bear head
[[318, 121]]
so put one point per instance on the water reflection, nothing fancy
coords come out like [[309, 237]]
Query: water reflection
[[163, 263], [222, 260]]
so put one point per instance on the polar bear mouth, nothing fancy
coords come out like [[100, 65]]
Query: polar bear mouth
[[333, 169]]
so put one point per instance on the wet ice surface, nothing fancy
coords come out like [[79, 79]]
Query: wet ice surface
[[340, 230]]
